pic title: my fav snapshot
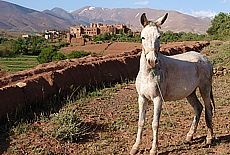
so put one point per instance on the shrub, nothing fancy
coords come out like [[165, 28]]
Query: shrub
[[86, 36], [220, 53], [58, 56], [50, 54], [2, 40], [63, 44], [46, 55], [68, 126], [170, 36], [7, 50], [6, 53], [77, 54]]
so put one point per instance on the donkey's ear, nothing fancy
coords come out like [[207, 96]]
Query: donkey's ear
[[144, 20], [161, 20]]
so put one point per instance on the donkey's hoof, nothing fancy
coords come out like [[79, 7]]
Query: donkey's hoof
[[209, 141], [189, 138], [153, 152], [133, 151]]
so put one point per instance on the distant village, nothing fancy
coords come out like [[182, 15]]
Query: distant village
[[77, 34]]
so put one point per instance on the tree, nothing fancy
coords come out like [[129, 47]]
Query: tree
[[102, 37], [58, 56], [220, 26], [121, 32], [86, 36], [47, 54], [168, 36], [98, 38], [130, 34], [106, 36]]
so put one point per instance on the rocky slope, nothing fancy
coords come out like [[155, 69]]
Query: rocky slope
[[17, 18], [177, 22]]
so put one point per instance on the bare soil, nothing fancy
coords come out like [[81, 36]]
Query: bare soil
[[121, 47], [112, 118], [104, 48]]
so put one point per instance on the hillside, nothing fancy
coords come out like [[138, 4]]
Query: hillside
[[17, 18], [176, 21], [14, 17]]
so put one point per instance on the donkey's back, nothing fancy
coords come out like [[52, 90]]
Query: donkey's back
[[191, 56]]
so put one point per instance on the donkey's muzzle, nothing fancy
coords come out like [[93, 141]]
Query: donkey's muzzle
[[152, 63]]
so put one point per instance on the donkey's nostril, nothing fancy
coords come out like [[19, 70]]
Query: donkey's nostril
[[149, 61], [156, 61]]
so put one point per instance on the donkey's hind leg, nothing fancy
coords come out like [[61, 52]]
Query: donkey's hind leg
[[197, 106], [205, 92]]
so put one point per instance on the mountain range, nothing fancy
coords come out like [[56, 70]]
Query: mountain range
[[18, 18]]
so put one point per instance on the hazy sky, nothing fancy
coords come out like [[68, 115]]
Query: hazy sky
[[192, 7]]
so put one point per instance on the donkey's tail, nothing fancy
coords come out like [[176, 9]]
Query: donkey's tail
[[212, 99]]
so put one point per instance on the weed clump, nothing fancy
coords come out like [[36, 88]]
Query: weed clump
[[68, 126]]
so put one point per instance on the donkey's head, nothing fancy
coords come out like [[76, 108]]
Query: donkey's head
[[150, 36]]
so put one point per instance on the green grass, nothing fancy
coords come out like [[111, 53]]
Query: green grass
[[220, 53], [18, 63]]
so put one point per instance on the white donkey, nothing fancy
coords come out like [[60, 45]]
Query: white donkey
[[170, 78]]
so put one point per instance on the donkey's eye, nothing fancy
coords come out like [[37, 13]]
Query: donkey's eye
[[143, 38]]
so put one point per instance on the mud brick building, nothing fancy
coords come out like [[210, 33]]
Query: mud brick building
[[76, 32]]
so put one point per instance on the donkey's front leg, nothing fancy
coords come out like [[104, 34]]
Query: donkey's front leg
[[155, 124], [142, 112]]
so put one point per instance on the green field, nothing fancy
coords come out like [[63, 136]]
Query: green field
[[18, 63]]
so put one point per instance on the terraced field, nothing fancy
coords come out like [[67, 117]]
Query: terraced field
[[18, 64]]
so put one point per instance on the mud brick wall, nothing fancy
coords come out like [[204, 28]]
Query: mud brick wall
[[25, 88]]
